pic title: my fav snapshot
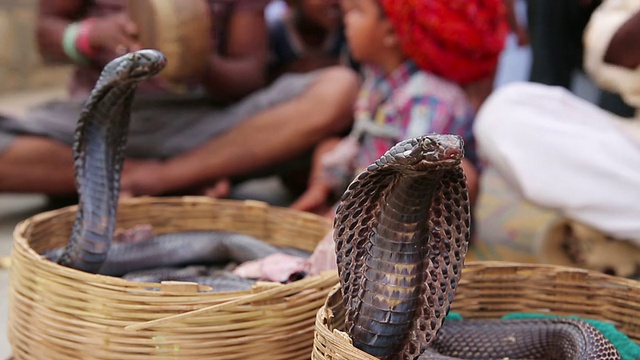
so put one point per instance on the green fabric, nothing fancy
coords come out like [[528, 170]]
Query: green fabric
[[627, 348], [453, 316]]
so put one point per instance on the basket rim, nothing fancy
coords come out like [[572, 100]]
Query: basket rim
[[21, 242], [592, 275]]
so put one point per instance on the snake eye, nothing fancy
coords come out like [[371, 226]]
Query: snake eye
[[427, 143]]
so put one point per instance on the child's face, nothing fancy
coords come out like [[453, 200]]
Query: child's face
[[365, 28], [324, 13]]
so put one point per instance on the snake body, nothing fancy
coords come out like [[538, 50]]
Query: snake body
[[180, 249], [100, 138], [215, 277], [401, 232], [552, 338]]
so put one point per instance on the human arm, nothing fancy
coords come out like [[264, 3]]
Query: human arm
[[269, 137], [53, 18], [316, 198], [520, 31], [104, 35], [473, 180], [241, 66]]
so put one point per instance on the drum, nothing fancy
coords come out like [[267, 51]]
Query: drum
[[178, 28]]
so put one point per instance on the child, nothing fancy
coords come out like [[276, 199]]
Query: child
[[416, 54]]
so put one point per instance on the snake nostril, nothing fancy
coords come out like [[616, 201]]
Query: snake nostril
[[452, 153]]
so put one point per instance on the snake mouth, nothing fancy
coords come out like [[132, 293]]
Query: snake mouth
[[445, 156], [148, 62], [429, 152], [442, 150], [141, 64], [439, 164]]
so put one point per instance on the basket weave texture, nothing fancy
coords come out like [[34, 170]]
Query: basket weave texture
[[60, 313], [489, 290]]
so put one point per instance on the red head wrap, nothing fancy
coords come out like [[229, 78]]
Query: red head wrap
[[459, 40]]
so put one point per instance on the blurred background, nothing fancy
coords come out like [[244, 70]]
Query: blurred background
[[21, 68], [507, 227]]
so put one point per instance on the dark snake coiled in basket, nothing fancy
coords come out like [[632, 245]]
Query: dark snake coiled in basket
[[401, 233]]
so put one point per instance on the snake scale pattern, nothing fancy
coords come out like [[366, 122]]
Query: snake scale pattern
[[100, 139], [401, 233]]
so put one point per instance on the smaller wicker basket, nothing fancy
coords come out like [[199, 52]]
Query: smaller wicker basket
[[492, 289], [60, 313]]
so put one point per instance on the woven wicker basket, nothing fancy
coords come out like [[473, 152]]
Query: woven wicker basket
[[493, 289], [60, 313]]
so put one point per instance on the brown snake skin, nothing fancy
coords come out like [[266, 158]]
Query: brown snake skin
[[401, 233]]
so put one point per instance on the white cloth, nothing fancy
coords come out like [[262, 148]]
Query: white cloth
[[561, 152]]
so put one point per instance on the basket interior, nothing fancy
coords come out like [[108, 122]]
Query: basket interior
[[275, 225]]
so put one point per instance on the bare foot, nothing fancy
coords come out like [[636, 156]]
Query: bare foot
[[219, 190], [314, 199], [140, 178]]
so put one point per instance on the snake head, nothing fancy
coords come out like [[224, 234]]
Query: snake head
[[135, 66], [428, 152], [440, 149]]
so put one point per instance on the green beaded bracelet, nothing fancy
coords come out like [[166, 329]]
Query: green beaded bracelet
[[69, 44]]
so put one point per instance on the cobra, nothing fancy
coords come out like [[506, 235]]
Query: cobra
[[100, 139], [401, 232]]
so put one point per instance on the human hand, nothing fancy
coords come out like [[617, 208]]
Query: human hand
[[114, 35], [275, 267], [140, 178], [315, 199]]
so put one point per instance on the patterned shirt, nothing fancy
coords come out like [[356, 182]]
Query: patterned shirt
[[408, 103]]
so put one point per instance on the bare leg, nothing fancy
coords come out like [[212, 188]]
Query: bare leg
[[273, 136], [37, 164]]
